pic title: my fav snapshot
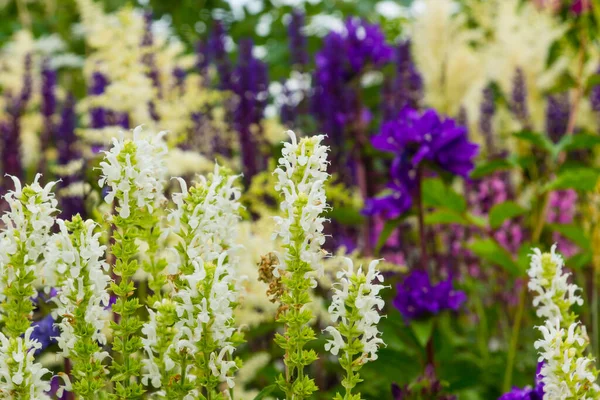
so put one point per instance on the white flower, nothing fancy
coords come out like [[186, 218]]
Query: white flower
[[135, 171], [567, 372], [359, 292], [301, 176], [549, 283], [80, 274], [25, 233], [19, 373]]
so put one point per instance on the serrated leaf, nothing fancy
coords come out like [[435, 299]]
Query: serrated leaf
[[445, 217], [490, 251], [583, 179], [422, 329], [503, 211]]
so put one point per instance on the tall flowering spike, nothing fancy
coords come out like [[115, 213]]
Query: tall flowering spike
[[218, 54], [568, 373], [77, 269], [25, 233], [134, 171], [71, 164], [98, 114], [355, 308], [250, 83], [48, 106], [299, 55], [487, 111], [407, 87], [518, 105], [301, 176], [21, 378], [557, 115], [192, 335], [26, 230]]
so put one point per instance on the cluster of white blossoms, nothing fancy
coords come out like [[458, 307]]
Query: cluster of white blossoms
[[26, 225], [204, 221], [135, 171], [20, 376], [81, 278], [355, 306], [301, 176], [567, 373]]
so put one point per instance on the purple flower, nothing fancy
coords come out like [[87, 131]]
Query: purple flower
[[66, 143], [418, 298], [557, 115], [527, 393], [416, 137], [48, 106], [365, 45], [98, 114], [250, 83], [202, 57], [218, 54], [45, 332], [486, 115], [518, 104], [298, 53], [407, 87]]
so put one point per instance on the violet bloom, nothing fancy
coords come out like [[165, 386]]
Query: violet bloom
[[202, 57], [518, 104], [407, 87], [486, 115], [45, 332], [11, 128], [527, 393], [595, 96], [415, 138], [418, 298], [297, 40], [218, 54], [68, 153], [48, 106], [557, 116], [341, 60], [98, 114], [250, 84]]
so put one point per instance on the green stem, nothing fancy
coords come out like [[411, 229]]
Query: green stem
[[514, 340]]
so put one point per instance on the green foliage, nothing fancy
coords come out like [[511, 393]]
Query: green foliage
[[504, 211]]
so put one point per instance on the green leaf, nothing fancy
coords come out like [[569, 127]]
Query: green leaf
[[265, 392], [489, 250], [387, 230], [579, 141], [538, 140], [445, 217], [574, 233], [580, 260], [503, 211], [583, 179], [437, 194], [489, 167], [422, 329]]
